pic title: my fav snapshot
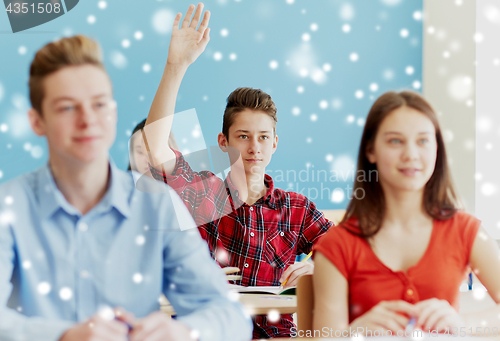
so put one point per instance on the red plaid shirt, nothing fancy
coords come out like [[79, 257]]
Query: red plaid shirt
[[262, 239]]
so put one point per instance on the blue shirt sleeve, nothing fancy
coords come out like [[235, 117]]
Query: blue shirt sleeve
[[196, 286]]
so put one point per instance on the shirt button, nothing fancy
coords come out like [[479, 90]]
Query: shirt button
[[282, 234], [252, 234], [83, 227], [251, 208], [409, 292], [84, 274], [246, 265]]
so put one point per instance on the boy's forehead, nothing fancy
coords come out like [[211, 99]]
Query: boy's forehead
[[252, 121], [77, 82]]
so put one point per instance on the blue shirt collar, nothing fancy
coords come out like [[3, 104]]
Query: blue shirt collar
[[118, 195]]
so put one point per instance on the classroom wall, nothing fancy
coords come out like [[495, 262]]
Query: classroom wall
[[449, 84], [488, 115], [323, 62]]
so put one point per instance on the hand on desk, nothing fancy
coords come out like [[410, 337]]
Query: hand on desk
[[389, 315], [159, 326], [294, 271], [97, 329], [438, 315]]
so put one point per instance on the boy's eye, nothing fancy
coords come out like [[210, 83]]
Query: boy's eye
[[264, 137], [66, 108], [243, 137]]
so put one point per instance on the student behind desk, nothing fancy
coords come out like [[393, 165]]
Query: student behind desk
[[403, 248], [76, 235], [246, 221]]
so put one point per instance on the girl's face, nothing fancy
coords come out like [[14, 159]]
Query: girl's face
[[139, 154], [404, 151]]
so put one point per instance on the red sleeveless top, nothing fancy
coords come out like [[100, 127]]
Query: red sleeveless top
[[438, 274]]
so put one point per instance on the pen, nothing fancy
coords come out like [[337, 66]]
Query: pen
[[307, 257], [130, 328], [410, 326]]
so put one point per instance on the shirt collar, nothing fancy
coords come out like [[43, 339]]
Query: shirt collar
[[117, 196], [269, 198]]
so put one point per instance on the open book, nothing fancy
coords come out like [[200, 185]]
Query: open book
[[262, 290]]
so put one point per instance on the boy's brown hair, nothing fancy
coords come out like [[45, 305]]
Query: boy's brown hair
[[248, 98], [71, 51]]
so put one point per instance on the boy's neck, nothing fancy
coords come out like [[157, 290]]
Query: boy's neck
[[250, 186], [83, 185]]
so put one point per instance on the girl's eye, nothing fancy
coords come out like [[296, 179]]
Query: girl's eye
[[394, 141], [424, 141]]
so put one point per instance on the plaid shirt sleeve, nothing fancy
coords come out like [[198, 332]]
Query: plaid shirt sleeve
[[314, 226]]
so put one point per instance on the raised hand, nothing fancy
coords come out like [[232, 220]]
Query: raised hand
[[187, 42]]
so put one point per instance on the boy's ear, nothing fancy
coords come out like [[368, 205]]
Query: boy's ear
[[222, 140], [36, 121], [275, 143]]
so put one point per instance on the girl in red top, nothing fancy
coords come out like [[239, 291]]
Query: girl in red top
[[402, 248]]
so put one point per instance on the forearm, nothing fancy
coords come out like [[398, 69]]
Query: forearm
[[15, 326], [160, 117]]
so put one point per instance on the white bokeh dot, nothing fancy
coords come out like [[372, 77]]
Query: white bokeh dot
[[409, 70], [102, 4], [300, 89], [309, 140], [314, 27], [65, 294], [446, 54], [22, 50], [347, 11], [224, 32], [138, 35], [125, 43], [1, 174], [91, 19], [118, 59], [137, 278], [306, 37], [314, 117], [431, 30], [296, 111], [404, 33], [323, 104], [217, 56], [43, 288], [26, 264], [417, 15], [8, 200], [329, 157], [478, 37], [360, 121], [327, 67], [488, 189], [346, 28], [337, 195], [273, 316], [354, 57], [233, 56], [373, 87], [140, 239], [146, 68], [416, 84], [4, 128], [273, 65], [163, 20], [350, 118], [359, 94]]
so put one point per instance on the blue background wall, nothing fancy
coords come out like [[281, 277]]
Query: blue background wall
[[301, 52]]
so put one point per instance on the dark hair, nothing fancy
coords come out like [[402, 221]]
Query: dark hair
[[171, 142], [439, 198], [247, 98], [71, 51]]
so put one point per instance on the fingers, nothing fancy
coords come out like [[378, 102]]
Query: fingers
[[197, 16], [147, 325], [107, 330], [433, 313], [187, 18], [230, 270], [294, 277], [204, 23], [401, 307], [287, 272], [177, 18]]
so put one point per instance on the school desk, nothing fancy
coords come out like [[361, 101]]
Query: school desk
[[257, 304]]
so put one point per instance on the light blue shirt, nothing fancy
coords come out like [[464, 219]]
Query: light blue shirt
[[58, 267]]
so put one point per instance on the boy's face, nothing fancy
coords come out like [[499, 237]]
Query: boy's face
[[252, 135], [79, 114]]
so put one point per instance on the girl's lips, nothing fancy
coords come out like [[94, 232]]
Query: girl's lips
[[85, 139], [409, 171]]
